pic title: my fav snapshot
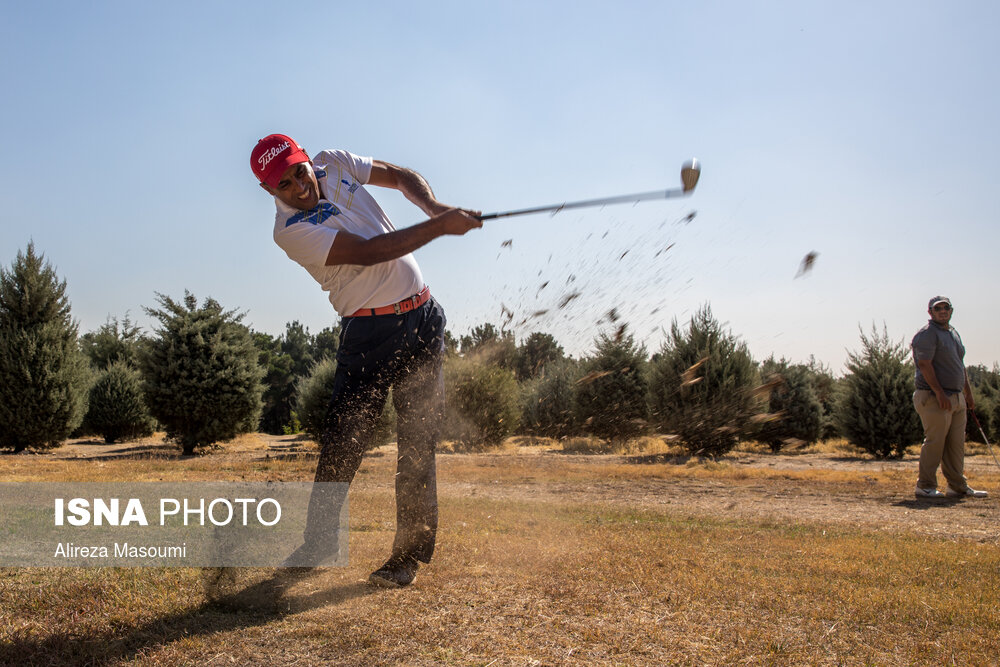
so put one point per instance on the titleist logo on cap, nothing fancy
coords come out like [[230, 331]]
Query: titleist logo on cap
[[271, 154]]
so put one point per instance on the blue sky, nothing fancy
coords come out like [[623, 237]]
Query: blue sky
[[865, 132]]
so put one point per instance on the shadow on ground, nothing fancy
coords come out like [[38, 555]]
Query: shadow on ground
[[254, 605], [927, 503]]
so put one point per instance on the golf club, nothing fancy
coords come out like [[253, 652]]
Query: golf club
[[983, 433], [690, 172]]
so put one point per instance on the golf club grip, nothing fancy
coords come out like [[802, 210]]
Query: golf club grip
[[641, 196]]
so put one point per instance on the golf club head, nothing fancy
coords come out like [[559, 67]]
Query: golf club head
[[690, 171]]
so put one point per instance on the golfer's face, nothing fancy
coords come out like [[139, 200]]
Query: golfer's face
[[941, 313], [298, 187]]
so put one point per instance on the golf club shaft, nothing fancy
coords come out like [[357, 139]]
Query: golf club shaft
[[623, 199], [985, 439]]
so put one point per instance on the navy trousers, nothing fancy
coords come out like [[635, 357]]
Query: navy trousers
[[403, 352]]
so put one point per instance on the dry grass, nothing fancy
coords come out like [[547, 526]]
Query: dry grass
[[527, 574]]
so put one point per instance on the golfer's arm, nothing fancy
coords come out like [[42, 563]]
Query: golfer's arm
[[412, 185], [350, 248], [927, 370]]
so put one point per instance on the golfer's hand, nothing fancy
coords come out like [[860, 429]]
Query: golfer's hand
[[943, 401], [458, 221]]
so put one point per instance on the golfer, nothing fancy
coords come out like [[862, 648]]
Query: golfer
[[941, 398], [391, 332]]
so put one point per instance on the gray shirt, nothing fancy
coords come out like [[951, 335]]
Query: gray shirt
[[942, 346]]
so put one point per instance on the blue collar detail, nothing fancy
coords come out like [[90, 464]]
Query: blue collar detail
[[315, 216]]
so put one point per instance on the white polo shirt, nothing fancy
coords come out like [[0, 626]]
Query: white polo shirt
[[306, 237]]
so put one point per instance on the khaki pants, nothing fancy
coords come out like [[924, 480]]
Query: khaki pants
[[944, 440]]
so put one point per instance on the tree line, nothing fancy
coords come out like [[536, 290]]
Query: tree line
[[204, 377]]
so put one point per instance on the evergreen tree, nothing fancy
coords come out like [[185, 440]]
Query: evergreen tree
[[298, 344], [548, 403], [43, 375], [875, 408], [202, 379], [985, 385], [794, 411], [701, 385], [279, 383], [611, 394], [326, 343], [113, 341], [480, 336], [825, 387], [117, 408], [450, 343], [535, 353]]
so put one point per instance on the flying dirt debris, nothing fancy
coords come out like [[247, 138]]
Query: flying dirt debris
[[807, 263], [509, 243], [593, 375], [688, 378], [660, 252], [566, 299], [507, 315], [686, 220], [766, 388]]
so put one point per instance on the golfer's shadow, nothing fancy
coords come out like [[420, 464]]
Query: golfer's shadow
[[927, 503], [255, 605]]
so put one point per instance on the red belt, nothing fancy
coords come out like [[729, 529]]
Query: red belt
[[404, 306]]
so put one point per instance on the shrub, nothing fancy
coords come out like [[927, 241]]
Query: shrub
[[875, 408], [701, 385], [43, 375], [117, 410], [313, 394], [611, 394], [202, 380], [547, 407], [483, 406], [795, 412]]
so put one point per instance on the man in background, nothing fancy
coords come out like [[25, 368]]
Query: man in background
[[941, 398]]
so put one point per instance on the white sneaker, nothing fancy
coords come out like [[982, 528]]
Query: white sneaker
[[968, 493], [928, 493]]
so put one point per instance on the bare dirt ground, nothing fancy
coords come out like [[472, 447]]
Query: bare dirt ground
[[807, 488], [872, 502]]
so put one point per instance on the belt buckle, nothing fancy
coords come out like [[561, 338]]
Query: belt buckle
[[397, 309]]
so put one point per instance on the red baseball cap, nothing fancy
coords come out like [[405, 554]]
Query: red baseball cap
[[273, 155]]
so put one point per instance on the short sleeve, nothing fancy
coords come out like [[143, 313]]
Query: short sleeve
[[357, 166], [306, 243], [924, 345]]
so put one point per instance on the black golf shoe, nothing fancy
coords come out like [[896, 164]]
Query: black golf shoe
[[397, 572]]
